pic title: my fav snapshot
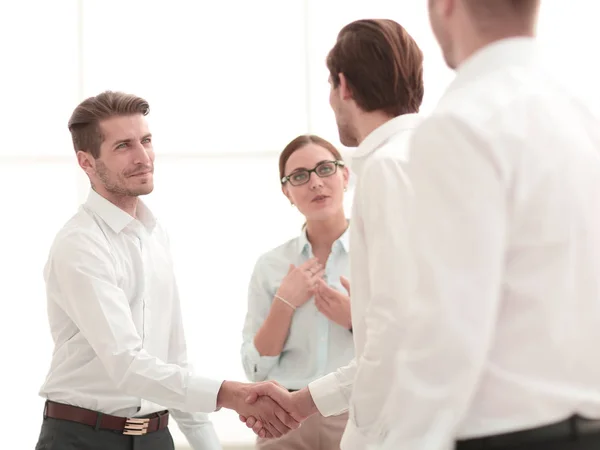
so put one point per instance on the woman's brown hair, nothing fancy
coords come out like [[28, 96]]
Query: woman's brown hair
[[300, 142]]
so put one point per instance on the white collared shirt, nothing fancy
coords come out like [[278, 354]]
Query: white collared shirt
[[376, 165], [315, 345], [115, 318], [493, 259]]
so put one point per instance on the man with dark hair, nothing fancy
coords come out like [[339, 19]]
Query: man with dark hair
[[376, 75], [376, 78], [120, 368]]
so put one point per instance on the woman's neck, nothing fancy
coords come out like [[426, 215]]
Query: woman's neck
[[323, 233]]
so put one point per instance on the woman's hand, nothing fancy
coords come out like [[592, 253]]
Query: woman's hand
[[333, 304], [300, 283]]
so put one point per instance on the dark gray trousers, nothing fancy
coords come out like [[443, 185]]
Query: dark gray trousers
[[65, 435]]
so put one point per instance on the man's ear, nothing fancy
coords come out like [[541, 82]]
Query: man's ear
[[86, 162], [345, 91]]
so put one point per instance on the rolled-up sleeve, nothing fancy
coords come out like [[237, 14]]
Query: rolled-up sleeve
[[257, 367]]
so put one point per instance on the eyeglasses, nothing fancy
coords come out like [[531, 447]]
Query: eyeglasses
[[323, 169]]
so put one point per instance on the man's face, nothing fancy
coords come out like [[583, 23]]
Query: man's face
[[439, 11], [125, 167]]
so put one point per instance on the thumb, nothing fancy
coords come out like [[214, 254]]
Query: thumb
[[291, 268], [252, 397], [346, 283]]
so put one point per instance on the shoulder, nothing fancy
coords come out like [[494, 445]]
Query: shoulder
[[281, 256], [80, 234]]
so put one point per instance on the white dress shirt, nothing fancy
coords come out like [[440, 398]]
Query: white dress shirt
[[374, 241], [493, 263], [315, 345], [116, 322]]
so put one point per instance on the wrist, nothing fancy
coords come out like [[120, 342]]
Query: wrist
[[305, 402], [284, 304], [229, 394]]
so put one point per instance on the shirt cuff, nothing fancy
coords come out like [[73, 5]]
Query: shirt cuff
[[328, 395], [259, 366], [202, 394]]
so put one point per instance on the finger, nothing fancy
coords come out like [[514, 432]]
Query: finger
[[320, 302], [322, 285], [346, 283], [318, 275], [277, 421], [327, 312], [250, 421], [309, 264], [276, 384], [267, 435], [257, 427], [276, 425], [273, 428], [243, 419], [324, 290], [291, 268], [287, 419], [269, 389]]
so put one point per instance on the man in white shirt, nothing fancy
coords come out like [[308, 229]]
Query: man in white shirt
[[500, 310], [120, 354], [497, 244], [376, 78], [498, 252]]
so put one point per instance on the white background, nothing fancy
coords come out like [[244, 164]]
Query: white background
[[229, 82]]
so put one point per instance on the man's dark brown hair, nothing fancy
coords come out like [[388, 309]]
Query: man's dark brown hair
[[382, 64], [84, 123]]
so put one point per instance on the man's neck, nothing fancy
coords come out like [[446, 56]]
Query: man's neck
[[369, 122], [476, 42], [125, 202]]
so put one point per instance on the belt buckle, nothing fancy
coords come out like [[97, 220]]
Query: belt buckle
[[135, 426]]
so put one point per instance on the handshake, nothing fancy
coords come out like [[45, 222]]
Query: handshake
[[267, 407]]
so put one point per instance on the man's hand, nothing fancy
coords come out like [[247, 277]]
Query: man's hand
[[275, 420], [299, 405], [333, 304]]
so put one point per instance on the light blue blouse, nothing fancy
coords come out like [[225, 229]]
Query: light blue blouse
[[315, 346]]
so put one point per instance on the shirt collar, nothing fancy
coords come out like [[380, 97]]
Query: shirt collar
[[380, 135], [516, 51], [115, 217], [344, 240]]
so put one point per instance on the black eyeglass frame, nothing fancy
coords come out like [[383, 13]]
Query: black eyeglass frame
[[336, 164]]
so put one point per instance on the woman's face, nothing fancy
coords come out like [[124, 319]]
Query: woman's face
[[316, 195]]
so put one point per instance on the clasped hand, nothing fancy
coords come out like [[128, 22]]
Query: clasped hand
[[298, 405]]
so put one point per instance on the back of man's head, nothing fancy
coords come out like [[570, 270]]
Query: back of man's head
[[382, 64]]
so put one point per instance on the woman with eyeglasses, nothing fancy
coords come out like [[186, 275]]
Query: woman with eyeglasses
[[298, 326]]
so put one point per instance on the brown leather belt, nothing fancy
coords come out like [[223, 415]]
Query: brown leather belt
[[133, 426]]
